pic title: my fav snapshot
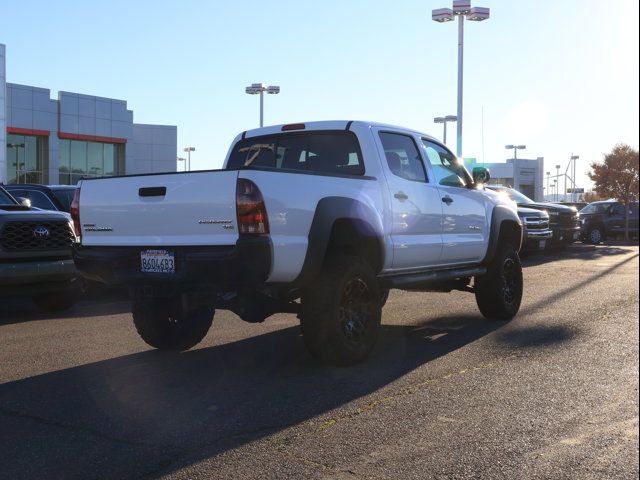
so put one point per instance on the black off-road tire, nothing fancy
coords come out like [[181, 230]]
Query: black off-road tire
[[384, 296], [596, 235], [167, 324], [341, 311], [499, 291], [54, 302]]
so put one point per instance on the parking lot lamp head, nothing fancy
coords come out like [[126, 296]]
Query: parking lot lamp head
[[461, 9], [259, 89], [444, 121], [189, 150]]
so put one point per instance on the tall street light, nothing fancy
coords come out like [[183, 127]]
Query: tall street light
[[515, 149], [445, 120], [461, 9], [259, 89], [548, 192], [189, 150], [572, 161], [182, 159]]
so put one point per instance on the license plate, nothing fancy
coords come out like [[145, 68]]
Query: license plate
[[543, 244], [157, 261]]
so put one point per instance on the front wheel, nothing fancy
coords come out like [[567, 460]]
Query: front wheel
[[499, 291], [171, 324], [596, 235], [341, 311]]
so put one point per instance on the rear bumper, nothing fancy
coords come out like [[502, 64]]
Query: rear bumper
[[27, 278], [248, 262]]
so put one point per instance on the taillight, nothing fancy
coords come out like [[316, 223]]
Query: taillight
[[252, 214], [75, 211]]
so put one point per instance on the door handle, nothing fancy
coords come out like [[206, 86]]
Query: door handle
[[447, 199], [401, 196], [152, 192]]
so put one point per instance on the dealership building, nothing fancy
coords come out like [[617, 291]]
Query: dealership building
[[524, 175], [59, 141]]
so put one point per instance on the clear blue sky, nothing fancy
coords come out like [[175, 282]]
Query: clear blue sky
[[559, 76]]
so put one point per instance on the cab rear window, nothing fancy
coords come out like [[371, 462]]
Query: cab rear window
[[317, 152]]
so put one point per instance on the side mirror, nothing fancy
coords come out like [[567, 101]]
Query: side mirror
[[25, 202], [481, 175]]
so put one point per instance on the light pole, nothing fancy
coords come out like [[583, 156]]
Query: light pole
[[555, 188], [548, 192], [572, 161], [557, 180], [189, 150], [182, 159], [259, 89], [461, 9], [444, 121], [17, 146], [515, 149]]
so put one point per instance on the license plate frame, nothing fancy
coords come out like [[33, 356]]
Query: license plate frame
[[158, 261], [542, 244]]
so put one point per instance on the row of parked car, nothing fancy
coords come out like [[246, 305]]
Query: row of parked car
[[548, 225], [36, 235]]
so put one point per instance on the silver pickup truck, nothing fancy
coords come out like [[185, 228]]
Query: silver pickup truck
[[35, 255]]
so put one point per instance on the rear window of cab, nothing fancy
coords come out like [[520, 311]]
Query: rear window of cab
[[316, 152]]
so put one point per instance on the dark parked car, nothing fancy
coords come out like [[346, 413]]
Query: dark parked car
[[535, 232], [564, 221], [607, 219], [44, 197], [35, 255]]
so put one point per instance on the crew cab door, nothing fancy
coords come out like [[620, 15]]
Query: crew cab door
[[465, 229], [416, 210]]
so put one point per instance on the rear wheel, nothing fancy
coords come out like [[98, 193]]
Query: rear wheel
[[171, 324], [499, 291], [341, 311]]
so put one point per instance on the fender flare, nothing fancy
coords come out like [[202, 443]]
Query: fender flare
[[501, 215], [328, 211]]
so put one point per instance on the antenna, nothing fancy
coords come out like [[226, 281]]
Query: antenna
[[482, 133]]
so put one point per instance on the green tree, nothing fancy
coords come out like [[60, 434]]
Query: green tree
[[617, 177]]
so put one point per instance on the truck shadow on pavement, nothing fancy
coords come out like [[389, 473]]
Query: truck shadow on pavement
[[578, 251], [152, 413], [19, 310]]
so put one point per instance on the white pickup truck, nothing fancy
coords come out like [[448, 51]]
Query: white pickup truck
[[319, 219]]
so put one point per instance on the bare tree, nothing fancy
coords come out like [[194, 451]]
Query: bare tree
[[617, 177]]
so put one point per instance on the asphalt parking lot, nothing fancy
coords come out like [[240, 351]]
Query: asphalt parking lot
[[446, 394]]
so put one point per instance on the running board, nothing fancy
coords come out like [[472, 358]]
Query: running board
[[426, 279]]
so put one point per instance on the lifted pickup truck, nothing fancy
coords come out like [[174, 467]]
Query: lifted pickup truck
[[319, 219]]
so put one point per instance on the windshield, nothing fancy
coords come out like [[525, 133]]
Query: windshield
[[65, 197], [514, 195], [5, 198]]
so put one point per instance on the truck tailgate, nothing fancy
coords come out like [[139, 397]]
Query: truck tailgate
[[195, 208]]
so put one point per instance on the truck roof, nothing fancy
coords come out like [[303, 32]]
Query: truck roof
[[331, 125]]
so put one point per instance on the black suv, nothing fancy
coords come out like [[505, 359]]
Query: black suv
[[563, 220], [44, 197], [606, 219]]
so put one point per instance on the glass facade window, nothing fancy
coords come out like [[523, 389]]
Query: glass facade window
[[26, 159], [80, 159]]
